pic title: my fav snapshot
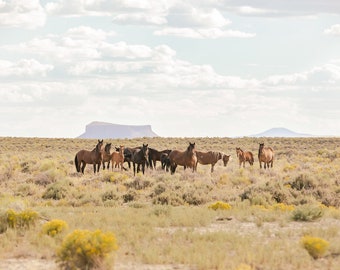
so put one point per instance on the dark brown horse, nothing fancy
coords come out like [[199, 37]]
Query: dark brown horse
[[94, 157], [165, 161], [140, 157], [106, 155], [244, 156], [185, 158], [266, 155], [155, 155], [211, 157]]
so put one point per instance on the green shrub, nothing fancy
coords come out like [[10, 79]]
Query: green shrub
[[307, 212], [55, 191], [54, 227], [315, 246], [83, 249]]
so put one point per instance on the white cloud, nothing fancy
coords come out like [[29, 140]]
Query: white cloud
[[21, 13], [24, 67], [334, 30], [252, 11], [139, 18], [203, 33]]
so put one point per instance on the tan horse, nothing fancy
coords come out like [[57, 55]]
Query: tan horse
[[244, 156], [185, 158], [91, 157], [117, 158], [266, 155], [211, 157]]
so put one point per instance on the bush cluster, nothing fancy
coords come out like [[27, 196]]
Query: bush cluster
[[54, 227], [84, 249], [315, 246], [23, 219], [220, 206]]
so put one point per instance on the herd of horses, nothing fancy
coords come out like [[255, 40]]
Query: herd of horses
[[144, 156]]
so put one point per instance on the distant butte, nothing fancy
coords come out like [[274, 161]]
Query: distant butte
[[103, 130]]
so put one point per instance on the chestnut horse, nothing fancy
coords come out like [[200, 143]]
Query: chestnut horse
[[106, 155], [266, 155], [185, 158], [117, 158], [91, 157], [211, 157], [244, 156]]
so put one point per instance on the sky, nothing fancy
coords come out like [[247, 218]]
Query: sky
[[194, 68]]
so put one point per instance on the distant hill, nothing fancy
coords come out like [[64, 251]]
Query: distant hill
[[280, 132], [102, 130]]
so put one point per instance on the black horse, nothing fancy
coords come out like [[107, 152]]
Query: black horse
[[165, 161], [140, 157]]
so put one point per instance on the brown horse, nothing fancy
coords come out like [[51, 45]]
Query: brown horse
[[244, 156], [266, 155], [185, 158], [106, 155], [117, 158], [91, 157], [211, 157], [155, 155]]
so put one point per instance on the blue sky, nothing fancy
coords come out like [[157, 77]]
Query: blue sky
[[188, 68]]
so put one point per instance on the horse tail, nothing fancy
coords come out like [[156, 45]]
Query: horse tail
[[251, 158], [76, 163]]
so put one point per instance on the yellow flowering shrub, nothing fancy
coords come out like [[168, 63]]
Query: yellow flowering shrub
[[220, 206], [23, 219], [243, 266], [315, 246], [84, 249], [283, 207], [54, 227]]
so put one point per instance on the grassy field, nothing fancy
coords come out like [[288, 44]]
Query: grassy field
[[234, 218]]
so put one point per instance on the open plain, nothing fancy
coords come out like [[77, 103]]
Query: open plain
[[234, 218]]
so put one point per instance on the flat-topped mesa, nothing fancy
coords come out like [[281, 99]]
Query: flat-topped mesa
[[105, 130]]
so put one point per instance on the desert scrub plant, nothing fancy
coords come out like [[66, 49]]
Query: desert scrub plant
[[308, 212], [54, 227], [315, 246], [84, 249], [21, 220], [219, 206], [56, 191], [283, 207]]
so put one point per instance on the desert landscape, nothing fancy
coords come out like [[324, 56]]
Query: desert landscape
[[285, 217]]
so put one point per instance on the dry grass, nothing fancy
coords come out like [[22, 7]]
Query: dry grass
[[164, 220]]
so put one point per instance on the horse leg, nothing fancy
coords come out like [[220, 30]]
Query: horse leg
[[260, 165], [212, 167], [173, 168], [83, 166]]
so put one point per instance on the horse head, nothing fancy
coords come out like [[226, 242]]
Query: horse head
[[120, 149], [145, 151], [261, 145], [107, 148], [99, 145], [225, 159], [191, 147]]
